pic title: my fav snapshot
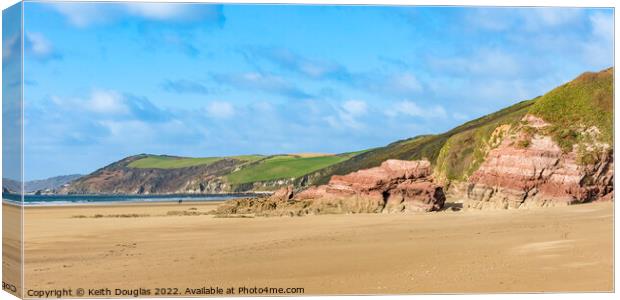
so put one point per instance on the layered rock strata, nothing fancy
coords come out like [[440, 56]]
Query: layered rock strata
[[531, 170], [396, 186]]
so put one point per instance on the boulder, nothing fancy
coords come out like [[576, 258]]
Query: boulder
[[283, 194]]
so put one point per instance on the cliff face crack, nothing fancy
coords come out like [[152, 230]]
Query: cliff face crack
[[386, 196]]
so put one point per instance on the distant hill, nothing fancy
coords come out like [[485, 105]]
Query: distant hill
[[164, 174], [571, 109], [10, 185], [52, 183]]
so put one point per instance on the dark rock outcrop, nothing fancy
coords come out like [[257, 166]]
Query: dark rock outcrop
[[394, 187]]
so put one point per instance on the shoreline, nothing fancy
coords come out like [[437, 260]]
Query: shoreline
[[112, 199], [112, 203]]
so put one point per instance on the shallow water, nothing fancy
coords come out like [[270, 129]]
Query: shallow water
[[46, 200]]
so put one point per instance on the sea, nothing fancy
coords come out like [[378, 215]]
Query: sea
[[54, 200]]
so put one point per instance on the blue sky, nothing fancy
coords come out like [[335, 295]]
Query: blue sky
[[108, 80]]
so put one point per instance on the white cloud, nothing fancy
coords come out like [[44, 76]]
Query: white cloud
[[310, 67], [412, 109], [128, 130], [545, 17], [262, 82], [10, 46], [347, 115], [406, 82], [314, 70], [169, 11], [220, 109], [86, 14], [106, 102], [602, 25], [460, 116], [81, 15], [529, 19], [39, 45], [112, 105], [355, 107], [158, 11], [488, 19], [400, 84], [598, 49], [485, 62]]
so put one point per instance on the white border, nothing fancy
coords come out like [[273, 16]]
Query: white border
[[506, 3]]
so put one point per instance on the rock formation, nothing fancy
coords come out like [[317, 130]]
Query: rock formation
[[530, 170], [119, 178], [396, 186]]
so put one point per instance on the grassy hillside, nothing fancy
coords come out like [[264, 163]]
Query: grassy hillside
[[584, 102], [453, 161], [253, 168], [284, 166], [465, 149], [173, 162]]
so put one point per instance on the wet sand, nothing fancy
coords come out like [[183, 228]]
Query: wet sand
[[169, 245]]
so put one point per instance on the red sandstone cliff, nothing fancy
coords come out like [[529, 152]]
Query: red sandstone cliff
[[394, 187], [530, 170]]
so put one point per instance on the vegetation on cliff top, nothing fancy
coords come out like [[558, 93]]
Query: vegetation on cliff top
[[253, 168], [577, 105], [173, 162], [465, 150], [284, 166]]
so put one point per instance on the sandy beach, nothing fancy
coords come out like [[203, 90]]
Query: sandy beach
[[170, 245]]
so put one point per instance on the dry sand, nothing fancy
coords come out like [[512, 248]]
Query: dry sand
[[538, 250], [11, 248]]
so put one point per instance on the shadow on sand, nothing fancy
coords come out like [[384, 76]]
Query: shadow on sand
[[452, 206]]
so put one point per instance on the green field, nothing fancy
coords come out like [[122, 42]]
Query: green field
[[285, 166], [170, 162]]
